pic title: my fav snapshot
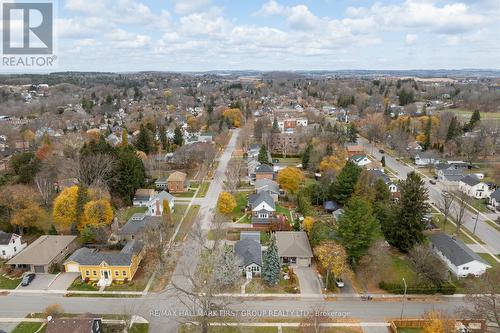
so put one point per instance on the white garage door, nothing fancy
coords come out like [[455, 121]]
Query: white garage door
[[72, 268], [303, 262]]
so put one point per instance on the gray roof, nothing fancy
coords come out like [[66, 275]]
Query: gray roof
[[42, 251], [135, 226], [378, 174], [470, 180], [249, 251], [253, 235], [262, 196], [454, 249], [267, 185], [5, 238], [453, 175], [496, 195], [264, 168], [86, 256], [293, 244]]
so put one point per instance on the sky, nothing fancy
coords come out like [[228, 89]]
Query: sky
[[200, 35]]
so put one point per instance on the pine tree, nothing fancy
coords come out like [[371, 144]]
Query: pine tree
[[263, 156], [275, 124], [227, 272], [382, 160], [144, 141], [352, 133], [345, 182], [271, 268], [163, 137], [356, 227], [82, 198], [428, 128], [178, 139], [452, 129], [306, 156], [406, 227], [474, 119], [329, 150]]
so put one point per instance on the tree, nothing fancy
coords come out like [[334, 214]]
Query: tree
[[124, 138], [352, 132], [227, 272], [474, 119], [233, 174], [30, 216], [178, 139], [333, 258], [129, 174], [406, 227], [428, 267], [65, 208], [438, 322], [460, 209], [306, 156], [97, 214], [144, 140], [290, 179], [365, 186], [25, 166], [275, 124], [263, 157], [445, 203], [163, 137], [166, 213], [308, 223], [343, 187], [226, 203], [82, 197], [234, 115], [334, 163], [482, 297], [382, 160], [428, 132], [356, 227], [453, 129], [271, 268]]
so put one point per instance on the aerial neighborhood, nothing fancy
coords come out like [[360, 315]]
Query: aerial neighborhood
[[207, 188]]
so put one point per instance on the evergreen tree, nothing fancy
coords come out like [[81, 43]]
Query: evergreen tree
[[82, 197], [405, 228], [452, 129], [52, 230], [178, 139], [343, 187], [474, 119], [428, 128], [382, 160], [163, 137], [124, 138], [144, 141], [352, 133], [227, 272], [129, 176], [271, 267], [356, 228], [263, 156], [275, 124], [329, 150], [306, 156]]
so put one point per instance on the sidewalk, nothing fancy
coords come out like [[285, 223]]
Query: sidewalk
[[64, 292]]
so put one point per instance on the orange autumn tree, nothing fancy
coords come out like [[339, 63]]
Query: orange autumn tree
[[334, 163], [308, 223], [234, 115], [438, 322], [333, 258], [290, 179], [226, 203], [65, 208], [96, 214]]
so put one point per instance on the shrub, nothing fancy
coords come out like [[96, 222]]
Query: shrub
[[125, 280], [86, 280], [399, 288], [447, 288], [53, 310]]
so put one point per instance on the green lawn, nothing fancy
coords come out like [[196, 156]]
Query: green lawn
[[187, 194], [188, 222], [401, 269], [480, 205], [178, 212], [27, 327], [202, 192], [466, 114], [241, 203], [6, 283], [133, 210], [258, 286], [489, 259], [80, 285], [409, 330], [139, 328], [293, 161], [284, 211], [325, 330], [226, 329]]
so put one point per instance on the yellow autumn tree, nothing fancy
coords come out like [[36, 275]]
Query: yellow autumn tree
[[308, 223], [65, 208], [334, 163], [234, 115], [226, 203], [438, 322], [193, 124], [333, 258], [30, 216], [167, 216], [290, 179], [97, 213]]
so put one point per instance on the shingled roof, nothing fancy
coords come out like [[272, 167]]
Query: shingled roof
[[470, 180], [454, 249], [249, 251], [92, 257], [293, 244]]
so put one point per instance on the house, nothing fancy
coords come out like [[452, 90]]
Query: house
[[393, 187], [264, 171], [414, 145], [494, 199], [106, 266], [153, 201], [459, 258], [10, 245], [355, 150], [424, 161], [450, 177], [294, 248], [161, 184], [253, 150], [177, 182], [74, 325], [473, 187], [263, 209], [269, 186], [249, 255], [44, 252], [360, 159], [136, 225], [287, 143], [143, 196]]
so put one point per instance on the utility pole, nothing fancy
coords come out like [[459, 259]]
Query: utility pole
[[404, 297], [475, 224]]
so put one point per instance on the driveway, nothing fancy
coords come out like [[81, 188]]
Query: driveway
[[308, 280], [375, 329], [63, 281], [40, 282]]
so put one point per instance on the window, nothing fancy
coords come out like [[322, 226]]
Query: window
[[124, 273], [466, 268], [94, 272], [15, 249], [117, 273], [3, 252], [87, 273]]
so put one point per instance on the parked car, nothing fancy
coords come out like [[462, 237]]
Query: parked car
[[275, 160], [432, 181], [381, 151], [492, 208], [27, 279], [339, 283]]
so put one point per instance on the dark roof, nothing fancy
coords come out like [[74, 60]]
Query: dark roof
[[135, 226], [253, 235], [330, 206], [263, 196], [454, 249], [496, 195], [86, 256], [249, 251], [267, 185], [470, 180], [5, 238], [74, 325], [264, 168], [380, 175]]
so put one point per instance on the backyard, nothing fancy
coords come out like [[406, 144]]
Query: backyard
[[134, 210]]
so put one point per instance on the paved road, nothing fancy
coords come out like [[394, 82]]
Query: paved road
[[488, 234]]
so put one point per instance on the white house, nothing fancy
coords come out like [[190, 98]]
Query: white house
[[473, 187], [424, 161], [153, 201], [360, 160], [10, 245], [459, 258], [248, 252], [494, 199]]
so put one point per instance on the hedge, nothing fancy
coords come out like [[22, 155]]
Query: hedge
[[446, 288]]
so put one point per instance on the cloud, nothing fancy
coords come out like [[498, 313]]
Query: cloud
[[189, 6], [122, 39], [297, 17], [411, 39]]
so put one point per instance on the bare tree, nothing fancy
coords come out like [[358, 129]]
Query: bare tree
[[97, 168], [483, 297], [233, 173], [44, 181], [313, 322], [428, 267], [462, 203], [445, 203], [157, 237]]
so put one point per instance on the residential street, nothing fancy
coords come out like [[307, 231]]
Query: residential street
[[484, 231]]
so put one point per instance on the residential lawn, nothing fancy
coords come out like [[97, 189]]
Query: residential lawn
[[178, 212], [293, 161], [410, 330], [138, 283], [480, 205], [325, 330], [80, 285], [133, 210], [139, 328], [202, 192], [400, 269], [265, 237], [103, 295], [188, 222], [6, 283], [187, 194], [284, 211], [258, 286], [489, 259], [194, 184], [465, 114], [27, 327], [241, 203]]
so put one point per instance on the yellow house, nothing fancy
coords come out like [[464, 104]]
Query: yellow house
[[106, 266]]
